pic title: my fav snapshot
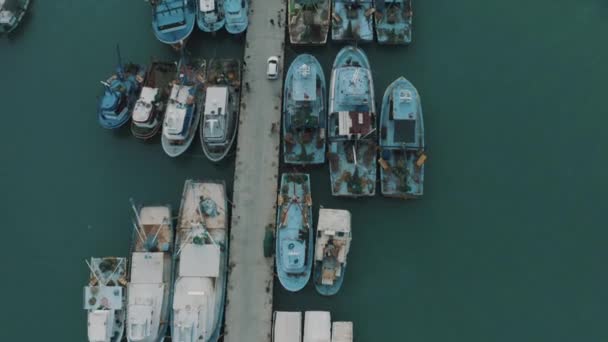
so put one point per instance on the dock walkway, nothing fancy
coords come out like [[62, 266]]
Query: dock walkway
[[250, 280]]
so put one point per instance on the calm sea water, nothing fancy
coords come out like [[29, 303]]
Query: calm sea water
[[508, 243]]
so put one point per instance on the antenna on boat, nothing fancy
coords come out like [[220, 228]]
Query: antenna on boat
[[93, 271], [141, 237], [137, 223], [158, 231], [115, 269], [120, 68]]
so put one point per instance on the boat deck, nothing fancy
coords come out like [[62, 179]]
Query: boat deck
[[250, 281]]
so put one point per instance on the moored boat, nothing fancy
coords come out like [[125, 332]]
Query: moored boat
[[221, 110], [308, 21], [120, 94], [332, 245], [201, 262], [317, 326], [401, 141], [294, 231], [183, 110], [105, 299], [151, 274], [304, 112], [173, 20], [352, 20], [236, 14], [149, 109], [11, 14], [393, 21], [342, 332], [287, 327], [352, 125], [210, 15]]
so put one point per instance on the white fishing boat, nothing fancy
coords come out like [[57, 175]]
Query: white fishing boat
[[287, 327]]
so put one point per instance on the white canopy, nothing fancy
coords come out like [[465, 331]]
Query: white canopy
[[287, 327], [336, 220], [100, 324], [317, 326], [199, 261], [147, 268], [342, 332]]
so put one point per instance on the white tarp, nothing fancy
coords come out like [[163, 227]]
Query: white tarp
[[147, 268], [342, 332], [199, 261], [317, 326], [287, 327], [336, 220]]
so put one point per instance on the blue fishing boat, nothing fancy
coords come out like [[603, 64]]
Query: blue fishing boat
[[173, 20], [394, 21], [152, 269], [352, 20], [11, 14], [352, 125], [210, 15], [236, 13], [308, 21], [401, 141], [121, 91], [332, 245], [294, 236], [184, 108], [201, 262], [304, 112]]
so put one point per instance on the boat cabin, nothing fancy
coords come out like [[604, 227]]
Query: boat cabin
[[333, 241], [100, 323], [305, 84], [145, 295], [287, 327], [216, 105], [143, 110], [178, 117], [404, 114], [293, 255], [317, 326], [170, 15], [8, 19]]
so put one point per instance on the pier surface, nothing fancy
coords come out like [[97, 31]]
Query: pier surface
[[250, 280]]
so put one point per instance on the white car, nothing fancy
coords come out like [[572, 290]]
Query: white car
[[272, 69]]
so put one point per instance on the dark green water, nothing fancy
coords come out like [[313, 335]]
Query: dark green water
[[508, 244]]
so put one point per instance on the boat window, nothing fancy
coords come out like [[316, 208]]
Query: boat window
[[340, 234]]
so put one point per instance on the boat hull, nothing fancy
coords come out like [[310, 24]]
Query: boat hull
[[308, 26], [236, 23], [206, 26], [352, 24], [393, 22], [294, 229], [327, 290], [304, 143], [400, 174], [178, 33], [133, 75], [20, 12]]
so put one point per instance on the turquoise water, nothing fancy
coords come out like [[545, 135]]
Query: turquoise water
[[508, 243]]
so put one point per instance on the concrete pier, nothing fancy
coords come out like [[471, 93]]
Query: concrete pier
[[250, 280]]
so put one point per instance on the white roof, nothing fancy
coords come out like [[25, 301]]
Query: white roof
[[154, 215], [6, 16], [317, 326], [216, 100], [176, 109], [287, 327], [336, 220], [342, 332], [199, 261], [147, 268], [207, 5], [100, 329], [344, 123], [143, 106], [195, 293]]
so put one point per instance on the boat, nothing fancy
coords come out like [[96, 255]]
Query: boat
[[236, 14], [11, 14], [393, 21], [352, 125], [401, 141], [342, 332], [317, 326], [151, 274], [294, 240], [304, 112], [352, 20], [308, 21], [149, 109], [287, 327], [210, 15], [221, 111], [121, 91], [105, 299], [332, 245], [183, 110], [173, 20], [201, 262]]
